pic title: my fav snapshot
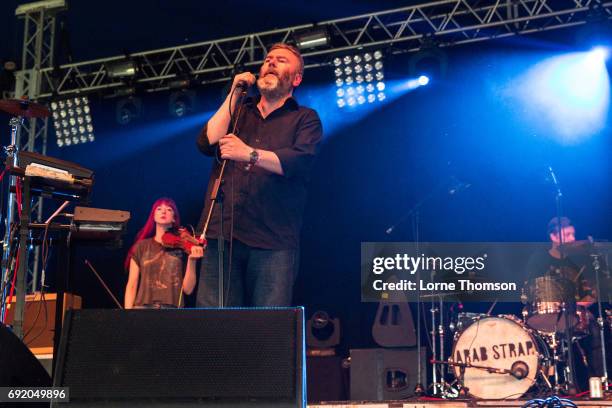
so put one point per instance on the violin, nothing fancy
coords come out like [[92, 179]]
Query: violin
[[181, 238]]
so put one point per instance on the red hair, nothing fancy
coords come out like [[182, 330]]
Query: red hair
[[149, 228]]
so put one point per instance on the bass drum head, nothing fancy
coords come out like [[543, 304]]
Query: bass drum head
[[497, 342]]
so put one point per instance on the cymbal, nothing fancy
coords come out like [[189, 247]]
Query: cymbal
[[24, 108], [583, 247]]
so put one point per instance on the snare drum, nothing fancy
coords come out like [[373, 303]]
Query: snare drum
[[549, 296], [503, 343]]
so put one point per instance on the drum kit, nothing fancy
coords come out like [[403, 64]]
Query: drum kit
[[505, 356]]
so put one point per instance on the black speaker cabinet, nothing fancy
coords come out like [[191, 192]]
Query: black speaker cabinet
[[183, 357], [385, 374]]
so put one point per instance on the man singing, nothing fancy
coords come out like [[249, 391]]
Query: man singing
[[263, 188]]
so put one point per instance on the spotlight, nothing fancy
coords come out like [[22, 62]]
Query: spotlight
[[430, 60], [128, 109], [600, 53], [121, 68], [72, 121], [181, 103], [366, 68], [423, 80], [317, 37]]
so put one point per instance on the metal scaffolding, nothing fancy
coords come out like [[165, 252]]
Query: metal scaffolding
[[37, 54], [406, 29]]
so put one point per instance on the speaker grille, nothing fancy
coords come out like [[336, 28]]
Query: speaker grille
[[183, 354]]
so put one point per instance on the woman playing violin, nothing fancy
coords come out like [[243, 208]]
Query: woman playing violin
[[155, 271]]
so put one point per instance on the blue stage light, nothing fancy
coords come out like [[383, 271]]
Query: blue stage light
[[600, 53], [566, 95], [423, 80]]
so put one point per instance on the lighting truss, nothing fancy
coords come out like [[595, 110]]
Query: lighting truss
[[448, 22]]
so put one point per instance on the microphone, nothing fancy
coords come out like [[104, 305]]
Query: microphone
[[519, 370], [242, 85]]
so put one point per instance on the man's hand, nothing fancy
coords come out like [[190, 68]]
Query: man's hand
[[246, 77], [233, 148]]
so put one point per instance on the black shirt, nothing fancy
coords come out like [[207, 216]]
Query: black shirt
[[267, 207]]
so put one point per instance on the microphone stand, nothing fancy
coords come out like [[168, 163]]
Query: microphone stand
[[413, 213], [570, 380], [216, 197]]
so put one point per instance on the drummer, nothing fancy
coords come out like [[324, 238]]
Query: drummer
[[576, 269]]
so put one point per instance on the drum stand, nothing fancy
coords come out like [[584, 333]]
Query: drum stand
[[570, 380], [600, 319], [439, 387]]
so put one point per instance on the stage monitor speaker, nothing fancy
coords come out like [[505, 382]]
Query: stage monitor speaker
[[19, 368], [384, 374], [183, 357]]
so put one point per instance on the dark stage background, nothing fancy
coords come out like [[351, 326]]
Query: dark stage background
[[372, 167]]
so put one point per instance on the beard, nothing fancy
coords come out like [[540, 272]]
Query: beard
[[274, 87]]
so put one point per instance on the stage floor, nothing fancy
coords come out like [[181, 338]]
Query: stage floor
[[445, 404]]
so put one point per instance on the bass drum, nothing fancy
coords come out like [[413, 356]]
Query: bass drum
[[502, 343]]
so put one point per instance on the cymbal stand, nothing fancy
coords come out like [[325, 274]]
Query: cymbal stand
[[600, 320], [12, 154]]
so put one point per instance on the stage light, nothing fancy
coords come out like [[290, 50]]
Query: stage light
[[599, 54], [567, 95], [181, 103], [359, 64], [423, 80], [128, 109], [317, 37], [69, 119], [121, 68]]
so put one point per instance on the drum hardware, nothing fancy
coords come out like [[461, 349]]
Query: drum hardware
[[595, 255]]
